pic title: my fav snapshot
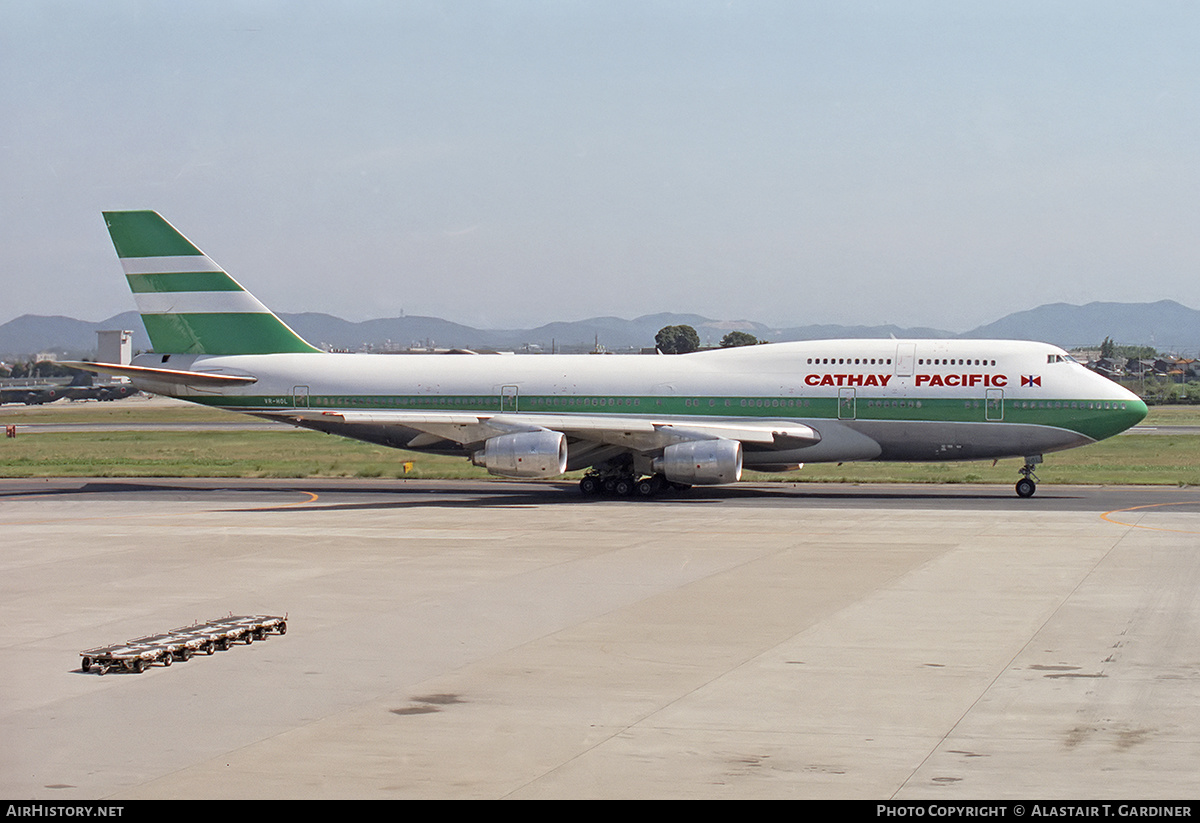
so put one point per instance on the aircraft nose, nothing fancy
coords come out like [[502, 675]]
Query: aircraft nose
[[1134, 411]]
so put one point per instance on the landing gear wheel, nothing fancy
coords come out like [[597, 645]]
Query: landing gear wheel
[[623, 486], [589, 485], [648, 486], [1026, 485]]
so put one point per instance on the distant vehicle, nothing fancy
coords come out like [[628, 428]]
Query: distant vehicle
[[103, 392], [34, 394], [81, 387], [638, 424]]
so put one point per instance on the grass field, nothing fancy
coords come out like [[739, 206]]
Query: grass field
[[1138, 459]]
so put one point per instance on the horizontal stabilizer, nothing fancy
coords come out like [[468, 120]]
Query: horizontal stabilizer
[[174, 377]]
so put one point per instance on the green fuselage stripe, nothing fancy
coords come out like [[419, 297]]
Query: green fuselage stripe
[[1096, 419]]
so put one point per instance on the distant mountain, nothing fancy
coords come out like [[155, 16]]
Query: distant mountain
[[32, 333], [1166, 325], [613, 333]]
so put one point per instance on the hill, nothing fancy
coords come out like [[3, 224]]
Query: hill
[[1166, 325]]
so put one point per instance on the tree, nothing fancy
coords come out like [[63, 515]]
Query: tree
[[738, 338], [677, 339], [1108, 348]]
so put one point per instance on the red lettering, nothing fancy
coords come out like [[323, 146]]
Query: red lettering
[[963, 380], [854, 379]]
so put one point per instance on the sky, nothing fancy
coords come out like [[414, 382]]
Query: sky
[[507, 164]]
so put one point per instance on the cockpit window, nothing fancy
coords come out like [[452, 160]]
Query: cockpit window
[[1060, 358]]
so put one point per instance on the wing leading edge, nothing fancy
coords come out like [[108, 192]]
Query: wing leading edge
[[470, 429]]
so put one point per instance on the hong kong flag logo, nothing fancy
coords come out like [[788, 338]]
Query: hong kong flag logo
[[1031, 380]]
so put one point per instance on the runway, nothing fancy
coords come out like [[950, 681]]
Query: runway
[[514, 640]]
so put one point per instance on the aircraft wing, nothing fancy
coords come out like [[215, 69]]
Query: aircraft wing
[[641, 434]]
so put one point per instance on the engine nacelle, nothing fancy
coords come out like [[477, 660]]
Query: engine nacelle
[[524, 454], [702, 462]]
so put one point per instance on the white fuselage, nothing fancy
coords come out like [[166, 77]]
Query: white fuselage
[[868, 399]]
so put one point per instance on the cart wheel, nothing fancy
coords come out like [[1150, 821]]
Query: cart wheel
[[138, 666], [209, 647], [249, 637], [282, 628], [168, 659], [87, 664]]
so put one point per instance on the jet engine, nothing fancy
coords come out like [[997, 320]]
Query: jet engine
[[524, 454], [702, 462]]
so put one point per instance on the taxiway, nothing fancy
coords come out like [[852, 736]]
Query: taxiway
[[485, 640]]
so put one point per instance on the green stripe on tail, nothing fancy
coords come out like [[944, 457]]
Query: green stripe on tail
[[189, 304]]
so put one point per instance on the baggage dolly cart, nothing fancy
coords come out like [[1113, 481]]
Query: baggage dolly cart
[[182, 643], [130, 657]]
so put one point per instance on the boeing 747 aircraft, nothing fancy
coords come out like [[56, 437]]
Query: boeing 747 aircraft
[[637, 424]]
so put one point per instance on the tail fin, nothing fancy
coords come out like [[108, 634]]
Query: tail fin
[[188, 303]]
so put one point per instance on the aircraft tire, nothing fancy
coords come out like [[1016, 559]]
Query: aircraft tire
[[1026, 487], [589, 486], [623, 487]]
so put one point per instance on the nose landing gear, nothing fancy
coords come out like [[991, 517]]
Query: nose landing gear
[[1026, 485]]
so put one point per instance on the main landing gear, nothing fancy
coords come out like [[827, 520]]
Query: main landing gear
[[1026, 485], [626, 485]]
